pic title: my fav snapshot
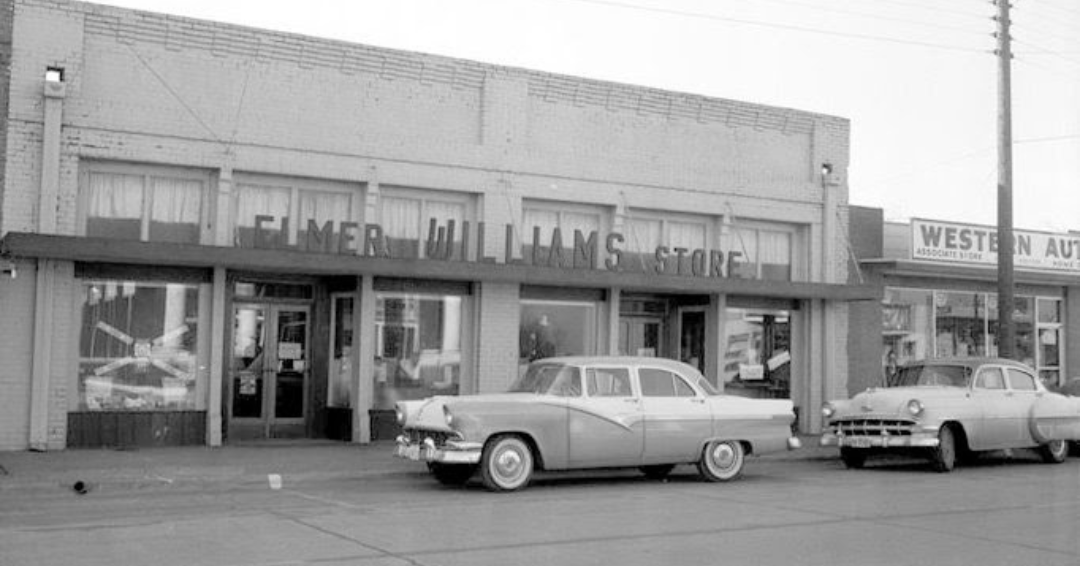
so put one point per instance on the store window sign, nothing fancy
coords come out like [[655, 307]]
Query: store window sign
[[964, 243], [451, 242]]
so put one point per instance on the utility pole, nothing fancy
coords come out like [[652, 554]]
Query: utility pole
[[1006, 302]]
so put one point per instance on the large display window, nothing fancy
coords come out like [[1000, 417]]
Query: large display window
[[143, 346], [418, 349], [922, 323], [556, 328], [757, 356]]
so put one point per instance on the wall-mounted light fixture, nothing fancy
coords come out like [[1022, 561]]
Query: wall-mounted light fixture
[[9, 269], [54, 74], [828, 178]]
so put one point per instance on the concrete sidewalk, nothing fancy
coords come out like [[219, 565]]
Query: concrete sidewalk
[[228, 467]]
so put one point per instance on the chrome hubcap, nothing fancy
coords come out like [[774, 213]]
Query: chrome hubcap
[[723, 456], [508, 464]]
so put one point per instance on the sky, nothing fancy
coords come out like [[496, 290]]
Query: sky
[[917, 78]]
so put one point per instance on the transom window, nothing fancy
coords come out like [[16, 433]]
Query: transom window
[[406, 214], [539, 221], [144, 203], [762, 253], [280, 211]]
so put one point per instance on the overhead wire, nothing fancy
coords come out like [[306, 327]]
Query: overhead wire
[[774, 25], [861, 14]]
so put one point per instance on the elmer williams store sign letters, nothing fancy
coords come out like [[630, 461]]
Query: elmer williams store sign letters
[[452, 242], [964, 243]]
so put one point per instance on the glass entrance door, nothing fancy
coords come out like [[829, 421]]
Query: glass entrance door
[[692, 336], [269, 371], [641, 336]]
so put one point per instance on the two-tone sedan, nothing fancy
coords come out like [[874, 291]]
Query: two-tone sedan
[[947, 409], [593, 412]]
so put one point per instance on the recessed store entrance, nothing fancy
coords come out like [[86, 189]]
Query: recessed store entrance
[[269, 371]]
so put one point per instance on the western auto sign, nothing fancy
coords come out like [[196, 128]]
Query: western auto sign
[[949, 242]]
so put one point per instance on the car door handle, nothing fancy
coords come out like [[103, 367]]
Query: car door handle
[[630, 400], [696, 400]]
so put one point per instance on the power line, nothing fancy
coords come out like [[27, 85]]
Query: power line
[[1048, 139], [1061, 9], [788, 27], [860, 14], [1048, 51], [933, 8]]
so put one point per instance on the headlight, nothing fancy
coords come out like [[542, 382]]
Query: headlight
[[400, 416], [915, 407], [827, 410], [449, 416]]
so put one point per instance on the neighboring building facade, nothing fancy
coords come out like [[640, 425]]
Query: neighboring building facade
[[219, 233], [940, 296]]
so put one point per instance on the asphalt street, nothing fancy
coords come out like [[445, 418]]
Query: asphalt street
[[1001, 510]]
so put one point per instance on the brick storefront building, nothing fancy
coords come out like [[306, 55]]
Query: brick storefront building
[[212, 232]]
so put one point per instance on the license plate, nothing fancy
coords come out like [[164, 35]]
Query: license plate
[[857, 441]]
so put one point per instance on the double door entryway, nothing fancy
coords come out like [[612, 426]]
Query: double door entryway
[[270, 370]]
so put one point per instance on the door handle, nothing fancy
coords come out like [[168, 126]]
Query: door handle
[[630, 400], [696, 400]]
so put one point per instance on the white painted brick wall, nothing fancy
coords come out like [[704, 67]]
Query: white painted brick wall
[[16, 333], [147, 88]]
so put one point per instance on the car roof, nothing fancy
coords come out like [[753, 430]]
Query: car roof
[[970, 361], [619, 360]]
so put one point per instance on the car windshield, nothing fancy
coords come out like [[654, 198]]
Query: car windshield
[[932, 375], [551, 379]]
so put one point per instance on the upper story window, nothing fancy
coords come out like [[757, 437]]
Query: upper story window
[[307, 213], [144, 203], [539, 222], [667, 242], [762, 252], [406, 214]]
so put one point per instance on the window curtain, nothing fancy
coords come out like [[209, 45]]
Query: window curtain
[[546, 220], [115, 206], [400, 219], [174, 210], [689, 235], [115, 196], [176, 201], [775, 255], [645, 235], [322, 207], [252, 201], [585, 223]]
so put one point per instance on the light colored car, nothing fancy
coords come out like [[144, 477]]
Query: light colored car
[[593, 412], [948, 409]]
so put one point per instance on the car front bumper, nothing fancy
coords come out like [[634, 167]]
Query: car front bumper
[[453, 452], [922, 439]]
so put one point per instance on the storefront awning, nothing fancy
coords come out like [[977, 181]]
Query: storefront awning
[[924, 269], [289, 261]]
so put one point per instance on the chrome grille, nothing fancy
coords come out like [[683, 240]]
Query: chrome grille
[[440, 437], [872, 427]]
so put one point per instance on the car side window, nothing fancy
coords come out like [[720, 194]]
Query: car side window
[[1021, 381], [990, 378], [663, 383], [683, 389], [608, 382]]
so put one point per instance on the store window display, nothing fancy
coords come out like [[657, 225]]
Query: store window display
[[140, 347], [418, 350], [554, 328]]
